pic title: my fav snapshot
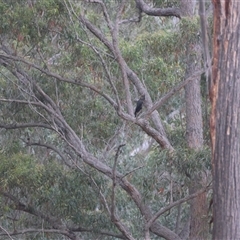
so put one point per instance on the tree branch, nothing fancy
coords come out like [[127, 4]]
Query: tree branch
[[56, 231], [20, 101], [120, 59], [114, 217], [164, 209], [159, 136], [106, 233], [54, 222], [105, 13], [96, 32], [105, 68], [77, 145], [24, 125], [62, 79], [148, 104], [29, 209], [33, 230], [48, 146], [166, 12], [130, 75], [6, 233], [160, 102]]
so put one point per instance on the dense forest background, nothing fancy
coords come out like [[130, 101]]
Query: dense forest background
[[75, 163]]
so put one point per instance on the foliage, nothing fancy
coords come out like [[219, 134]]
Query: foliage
[[52, 189], [66, 82], [147, 55]]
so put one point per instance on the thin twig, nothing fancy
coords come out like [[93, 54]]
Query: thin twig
[[114, 216], [173, 91], [133, 170], [164, 209], [7, 233]]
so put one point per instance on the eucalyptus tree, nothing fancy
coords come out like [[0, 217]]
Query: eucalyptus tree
[[225, 120], [70, 72]]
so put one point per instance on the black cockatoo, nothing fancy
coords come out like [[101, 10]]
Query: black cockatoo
[[139, 105]]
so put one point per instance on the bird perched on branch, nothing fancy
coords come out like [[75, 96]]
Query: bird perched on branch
[[139, 105]]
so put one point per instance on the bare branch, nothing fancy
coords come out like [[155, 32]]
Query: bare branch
[[130, 75], [81, 229], [53, 221], [130, 20], [6, 233], [58, 77], [114, 217], [166, 12], [57, 231], [156, 228], [20, 101], [176, 203], [33, 230], [111, 211], [96, 32], [105, 13], [148, 104], [156, 135], [110, 144], [31, 104], [28, 82], [159, 136], [103, 199], [29, 209], [160, 102], [105, 68], [24, 125], [48, 146], [120, 59], [77, 145], [134, 170]]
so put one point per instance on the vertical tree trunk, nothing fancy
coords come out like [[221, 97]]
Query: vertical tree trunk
[[225, 120], [194, 126], [194, 133], [194, 137]]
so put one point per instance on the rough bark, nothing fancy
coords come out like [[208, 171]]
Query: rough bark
[[225, 120]]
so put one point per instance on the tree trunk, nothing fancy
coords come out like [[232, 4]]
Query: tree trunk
[[194, 126], [194, 132], [225, 120], [194, 137]]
